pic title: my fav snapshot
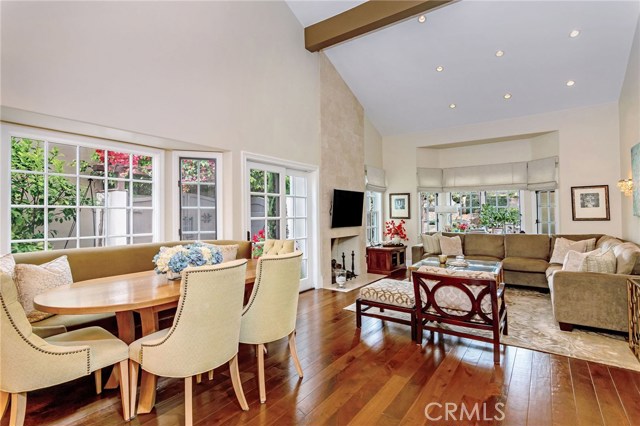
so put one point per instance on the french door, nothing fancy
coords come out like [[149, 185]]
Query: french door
[[279, 207], [198, 198]]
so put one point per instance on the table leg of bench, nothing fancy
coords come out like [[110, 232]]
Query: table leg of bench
[[149, 320], [126, 333]]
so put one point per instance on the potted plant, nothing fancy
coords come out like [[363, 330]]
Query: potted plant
[[395, 232]]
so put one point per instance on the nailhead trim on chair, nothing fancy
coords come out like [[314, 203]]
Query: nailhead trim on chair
[[178, 313], [23, 337]]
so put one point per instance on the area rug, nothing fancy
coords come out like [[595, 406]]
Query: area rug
[[531, 326]]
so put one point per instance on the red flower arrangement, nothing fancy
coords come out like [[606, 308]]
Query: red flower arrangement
[[393, 230], [258, 244]]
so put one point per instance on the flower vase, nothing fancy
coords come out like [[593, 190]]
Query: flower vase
[[173, 275], [395, 240]]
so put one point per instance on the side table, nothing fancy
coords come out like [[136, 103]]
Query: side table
[[386, 259]]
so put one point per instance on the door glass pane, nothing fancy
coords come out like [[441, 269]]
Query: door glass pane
[[189, 195], [207, 170], [27, 154], [273, 183], [256, 180], [300, 229], [257, 206], [207, 220], [207, 196], [274, 206], [301, 207], [189, 220], [273, 229], [300, 186], [62, 158], [256, 226], [142, 221], [62, 222]]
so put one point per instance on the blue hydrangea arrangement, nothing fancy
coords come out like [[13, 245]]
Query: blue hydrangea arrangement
[[175, 259]]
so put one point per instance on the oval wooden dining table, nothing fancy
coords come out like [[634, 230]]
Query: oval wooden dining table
[[146, 293]]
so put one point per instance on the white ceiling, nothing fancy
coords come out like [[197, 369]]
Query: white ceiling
[[392, 71]]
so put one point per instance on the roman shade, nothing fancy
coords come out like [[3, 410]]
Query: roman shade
[[490, 176], [429, 180], [542, 174], [375, 179]]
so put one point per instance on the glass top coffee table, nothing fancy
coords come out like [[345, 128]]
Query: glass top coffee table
[[472, 265]]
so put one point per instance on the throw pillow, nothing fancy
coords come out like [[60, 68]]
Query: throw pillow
[[626, 256], [574, 260], [7, 265], [451, 246], [32, 280], [563, 245], [603, 261], [606, 242], [431, 244], [229, 252]]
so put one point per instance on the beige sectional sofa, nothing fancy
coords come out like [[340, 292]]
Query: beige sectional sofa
[[579, 298], [89, 263]]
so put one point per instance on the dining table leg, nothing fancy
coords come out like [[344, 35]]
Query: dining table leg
[[149, 382], [126, 333]]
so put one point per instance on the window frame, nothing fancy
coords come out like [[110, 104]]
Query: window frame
[[421, 212], [551, 219], [9, 131], [377, 208]]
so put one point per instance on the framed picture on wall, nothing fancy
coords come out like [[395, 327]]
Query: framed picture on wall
[[399, 207], [590, 202]]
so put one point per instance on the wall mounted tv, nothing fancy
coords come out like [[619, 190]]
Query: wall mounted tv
[[347, 208]]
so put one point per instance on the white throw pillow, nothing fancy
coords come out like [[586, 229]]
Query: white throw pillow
[[8, 265], [574, 260], [600, 261], [563, 245], [431, 244], [32, 280], [451, 246], [229, 252]]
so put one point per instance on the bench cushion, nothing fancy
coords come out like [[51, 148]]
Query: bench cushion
[[390, 292], [484, 245]]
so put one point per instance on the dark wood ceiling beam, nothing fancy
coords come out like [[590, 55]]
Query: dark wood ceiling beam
[[367, 17]]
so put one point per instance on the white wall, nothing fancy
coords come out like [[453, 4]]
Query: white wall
[[372, 144], [231, 76], [588, 148], [629, 104]]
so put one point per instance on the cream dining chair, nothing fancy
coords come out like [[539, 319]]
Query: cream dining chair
[[29, 362], [204, 334], [271, 311]]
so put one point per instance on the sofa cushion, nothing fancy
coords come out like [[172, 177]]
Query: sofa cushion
[[484, 245], [451, 246], [563, 245], [574, 260], [431, 243], [32, 280], [607, 241], [527, 246], [575, 237], [483, 258], [626, 257], [551, 269], [524, 264]]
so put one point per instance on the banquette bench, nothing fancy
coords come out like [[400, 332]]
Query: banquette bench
[[99, 262]]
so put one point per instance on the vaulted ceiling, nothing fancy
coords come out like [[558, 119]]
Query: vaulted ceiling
[[394, 71]]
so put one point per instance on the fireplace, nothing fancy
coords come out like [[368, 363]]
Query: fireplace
[[345, 254]]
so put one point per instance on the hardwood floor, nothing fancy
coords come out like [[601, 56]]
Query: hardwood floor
[[372, 376]]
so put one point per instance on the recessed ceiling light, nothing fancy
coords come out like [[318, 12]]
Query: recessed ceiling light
[[507, 96], [499, 53], [422, 19], [574, 33], [570, 83], [452, 106], [439, 68]]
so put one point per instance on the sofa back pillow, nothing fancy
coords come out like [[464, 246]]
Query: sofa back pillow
[[626, 256], [484, 245], [602, 261], [607, 242], [32, 280], [523, 245], [563, 245], [229, 251], [574, 260], [451, 246], [431, 244]]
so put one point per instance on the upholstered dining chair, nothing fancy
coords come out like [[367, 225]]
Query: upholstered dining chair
[[473, 301], [271, 311], [278, 247], [29, 362], [204, 335]]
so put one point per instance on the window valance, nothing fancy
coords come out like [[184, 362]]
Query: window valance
[[375, 179]]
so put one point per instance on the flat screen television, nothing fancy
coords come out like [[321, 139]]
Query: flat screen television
[[347, 208]]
